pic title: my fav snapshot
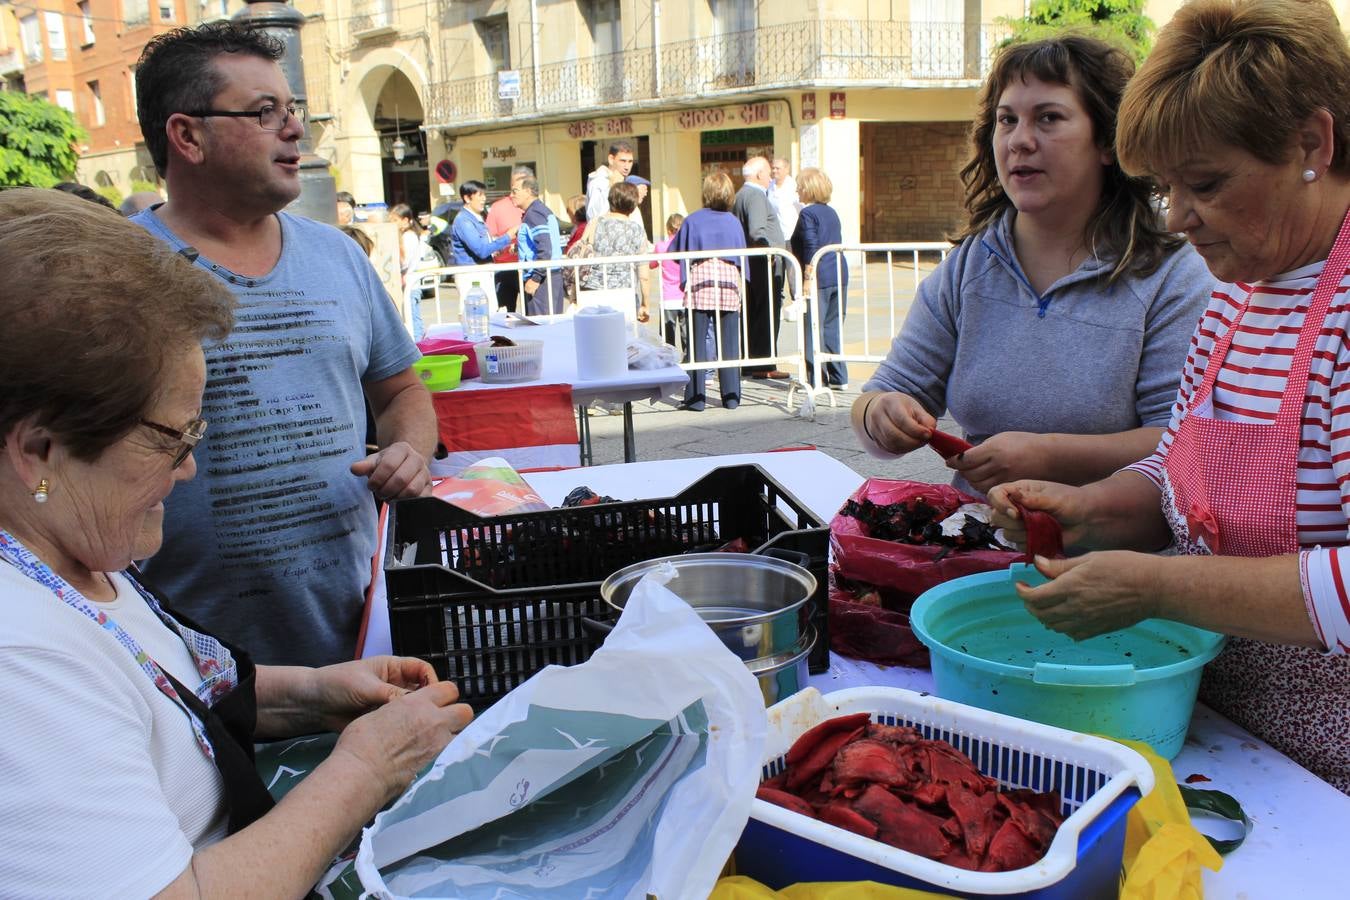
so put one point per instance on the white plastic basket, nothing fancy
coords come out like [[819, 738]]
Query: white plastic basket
[[504, 365], [1090, 774]]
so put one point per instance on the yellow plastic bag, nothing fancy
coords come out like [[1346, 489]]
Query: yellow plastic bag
[[1163, 851], [738, 887]]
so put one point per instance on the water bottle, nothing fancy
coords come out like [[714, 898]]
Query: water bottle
[[476, 314]]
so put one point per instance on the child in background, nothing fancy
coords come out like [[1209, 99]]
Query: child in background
[[673, 329]]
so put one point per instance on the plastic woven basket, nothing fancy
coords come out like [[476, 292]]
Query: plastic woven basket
[[489, 601], [505, 365], [1098, 781]]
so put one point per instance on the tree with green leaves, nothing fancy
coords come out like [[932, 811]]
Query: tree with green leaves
[[39, 141], [1121, 22]]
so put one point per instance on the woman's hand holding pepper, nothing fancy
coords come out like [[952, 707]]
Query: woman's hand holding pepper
[[1007, 456], [1093, 594], [1066, 503], [892, 423]]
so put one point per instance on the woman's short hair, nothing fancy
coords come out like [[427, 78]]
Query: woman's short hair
[[673, 222], [718, 192], [362, 239], [623, 198], [94, 307], [471, 187], [1242, 74], [814, 186], [1125, 225], [576, 208]]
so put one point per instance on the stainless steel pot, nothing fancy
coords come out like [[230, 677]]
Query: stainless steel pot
[[783, 675], [755, 604]]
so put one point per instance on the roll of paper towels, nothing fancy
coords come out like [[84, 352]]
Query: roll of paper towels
[[602, 343]]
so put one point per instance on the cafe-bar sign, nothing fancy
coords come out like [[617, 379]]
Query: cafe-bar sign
[[809, 106], [836, 104], [588, 128]]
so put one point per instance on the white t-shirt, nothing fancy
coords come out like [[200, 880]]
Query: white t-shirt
[[105, 791]]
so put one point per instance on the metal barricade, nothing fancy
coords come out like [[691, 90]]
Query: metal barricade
[[875, 291], [444, 307]]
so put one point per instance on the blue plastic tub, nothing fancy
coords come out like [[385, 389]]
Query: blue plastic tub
[[1098, 781], [988, 651]]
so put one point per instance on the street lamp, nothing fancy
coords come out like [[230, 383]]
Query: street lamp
[[400, 149]]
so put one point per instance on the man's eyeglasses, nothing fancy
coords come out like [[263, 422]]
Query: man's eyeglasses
[[271, 117], [188, 437]]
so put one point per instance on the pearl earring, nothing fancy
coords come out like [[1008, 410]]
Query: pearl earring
[[1309, 175], [40, 495]]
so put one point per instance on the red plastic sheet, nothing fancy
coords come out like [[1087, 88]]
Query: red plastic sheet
[[877, 629]]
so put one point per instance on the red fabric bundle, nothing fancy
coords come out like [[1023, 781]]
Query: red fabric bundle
[[874, 625]]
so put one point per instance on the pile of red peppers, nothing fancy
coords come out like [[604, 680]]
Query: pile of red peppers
[[888, 783]]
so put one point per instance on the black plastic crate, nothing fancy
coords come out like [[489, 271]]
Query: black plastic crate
[[490, 600]]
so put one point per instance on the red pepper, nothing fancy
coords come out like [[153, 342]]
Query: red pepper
[[803, 746], [820, 758], [1044, 535], [948, 445]]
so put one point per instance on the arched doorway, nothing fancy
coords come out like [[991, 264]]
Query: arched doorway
[[397, 118]]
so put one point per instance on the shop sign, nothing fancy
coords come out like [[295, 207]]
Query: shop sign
[[612, 127], [578, 130], [754, 113], [701, 118], [810, 145], [508, 84], [500, 153], [836, 104], [809, 106]]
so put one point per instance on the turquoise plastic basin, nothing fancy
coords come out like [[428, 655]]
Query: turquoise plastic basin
[[988, 651]]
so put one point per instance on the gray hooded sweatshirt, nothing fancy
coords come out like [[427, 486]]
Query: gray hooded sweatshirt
[[1087, 357]]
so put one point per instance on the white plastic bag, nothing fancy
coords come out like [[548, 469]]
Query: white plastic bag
[[628, 775], [647, 351]]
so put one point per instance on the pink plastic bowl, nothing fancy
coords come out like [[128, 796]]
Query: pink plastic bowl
[[441, 346]]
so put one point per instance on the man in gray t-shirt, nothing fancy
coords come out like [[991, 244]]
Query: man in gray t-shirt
[[270, 545]]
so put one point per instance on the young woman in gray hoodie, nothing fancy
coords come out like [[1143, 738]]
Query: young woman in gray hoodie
[[1056, 330]]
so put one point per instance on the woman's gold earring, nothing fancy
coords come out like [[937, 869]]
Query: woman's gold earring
[[40, 495]]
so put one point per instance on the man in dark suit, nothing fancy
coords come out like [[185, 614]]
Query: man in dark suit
[[764, 285]]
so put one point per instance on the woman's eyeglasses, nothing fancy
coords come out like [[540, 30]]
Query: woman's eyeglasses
[[188, 437]]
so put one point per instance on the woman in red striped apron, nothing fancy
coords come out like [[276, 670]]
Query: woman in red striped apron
[[1242, 112]]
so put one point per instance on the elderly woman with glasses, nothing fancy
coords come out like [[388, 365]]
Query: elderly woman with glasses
[[126, 733]]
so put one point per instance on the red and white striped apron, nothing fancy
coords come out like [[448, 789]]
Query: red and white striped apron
[[1230, 488]]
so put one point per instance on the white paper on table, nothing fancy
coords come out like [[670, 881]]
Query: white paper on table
[[630, 774]]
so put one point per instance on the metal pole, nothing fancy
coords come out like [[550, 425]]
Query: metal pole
[[318, 191]]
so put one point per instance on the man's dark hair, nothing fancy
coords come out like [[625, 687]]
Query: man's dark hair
[[347, 198], [175, 74], [471, 187], [620, 147], [84, 192]]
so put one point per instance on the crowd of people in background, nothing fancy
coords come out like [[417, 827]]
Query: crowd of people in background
[[771, 209]]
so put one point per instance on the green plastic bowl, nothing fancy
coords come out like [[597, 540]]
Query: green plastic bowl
[[988, 651], [440, 372]]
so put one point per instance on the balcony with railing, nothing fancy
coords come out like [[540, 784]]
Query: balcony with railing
[[828, 53]]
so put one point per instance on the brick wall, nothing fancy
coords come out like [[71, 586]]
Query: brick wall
[[912, 171]]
